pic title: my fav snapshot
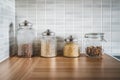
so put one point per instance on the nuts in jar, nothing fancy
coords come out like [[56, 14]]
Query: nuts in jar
[[94, 51]]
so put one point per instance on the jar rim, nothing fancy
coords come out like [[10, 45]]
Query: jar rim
[[99, 36]]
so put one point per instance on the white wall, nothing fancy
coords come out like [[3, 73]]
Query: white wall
[[7, 13], [76, 17]]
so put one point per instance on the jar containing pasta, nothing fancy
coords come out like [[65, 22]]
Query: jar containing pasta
[[71, 48]]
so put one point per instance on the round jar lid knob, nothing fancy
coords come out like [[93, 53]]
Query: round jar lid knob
[[26, 22], [71, 38], [48, 32]]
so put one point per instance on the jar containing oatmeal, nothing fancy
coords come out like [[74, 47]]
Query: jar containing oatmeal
[[25, 37], [94, 42], [48, 44], [71, 48]]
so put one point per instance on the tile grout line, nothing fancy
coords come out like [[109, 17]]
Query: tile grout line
[[111, 24], [45, 13], [36, 19]]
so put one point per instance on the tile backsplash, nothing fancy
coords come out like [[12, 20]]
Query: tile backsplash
[[7, 16], [77, 17]]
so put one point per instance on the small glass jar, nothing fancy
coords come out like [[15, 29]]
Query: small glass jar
[[48, 44], [94, 43], [71, 48], [25, 37]]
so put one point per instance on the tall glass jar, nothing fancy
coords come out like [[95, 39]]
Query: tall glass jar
[[48, 44], [94, 43], [25, 37], [71, 48]]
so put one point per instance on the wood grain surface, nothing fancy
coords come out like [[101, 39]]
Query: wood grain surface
[[60, 68]]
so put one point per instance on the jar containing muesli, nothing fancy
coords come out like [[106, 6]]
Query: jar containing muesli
[[71, 47], [48, 44]]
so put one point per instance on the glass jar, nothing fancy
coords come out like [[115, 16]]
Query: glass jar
[[71, 48], [25, 37], [48, 44], [94, 43]]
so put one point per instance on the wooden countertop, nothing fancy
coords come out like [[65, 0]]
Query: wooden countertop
[[60, 68]]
